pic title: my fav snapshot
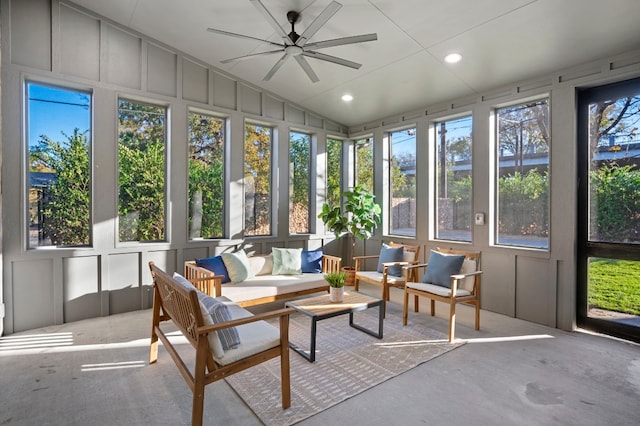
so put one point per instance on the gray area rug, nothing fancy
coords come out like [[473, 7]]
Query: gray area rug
[[348, 362]]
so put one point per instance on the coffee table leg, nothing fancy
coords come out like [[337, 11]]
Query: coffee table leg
[[311, 356], [366, 330]]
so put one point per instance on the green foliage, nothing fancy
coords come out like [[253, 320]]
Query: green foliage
[[66, 212], [614, 285], [257, 173], [364, 164], [141, 172], [206, 176], [523, 206], [334, 173], [336, 279], [359, 216], [616, 201]]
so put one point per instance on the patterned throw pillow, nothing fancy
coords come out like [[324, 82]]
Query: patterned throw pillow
[[391, 254], [441, 267], [220, 313], [287, 261]]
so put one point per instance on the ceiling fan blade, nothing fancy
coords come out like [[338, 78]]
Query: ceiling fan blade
[[334, 59], [249, 56], [276, 67], [246, 37], [307, 68], [341, 41], [272, 21], [317, 23]]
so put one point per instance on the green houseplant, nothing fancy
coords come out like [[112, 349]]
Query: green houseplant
[[336, 282], [359, 216]]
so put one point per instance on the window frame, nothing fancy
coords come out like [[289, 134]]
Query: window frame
[[167, 168], [388, 149], [26, 155], [495, 186], [291, 179], [225, 173]]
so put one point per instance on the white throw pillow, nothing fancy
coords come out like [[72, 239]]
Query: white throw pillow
[[237, 265], [261, 265]]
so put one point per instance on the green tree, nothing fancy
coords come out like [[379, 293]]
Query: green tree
[[66, 212], [334, 171], [206, 176], [257, 173], [141, 171], [364, 164], [299, 158]]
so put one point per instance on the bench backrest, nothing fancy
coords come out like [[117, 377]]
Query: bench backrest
[[179, 303]]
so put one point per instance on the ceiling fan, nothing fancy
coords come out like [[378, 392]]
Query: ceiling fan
[[297, 45]]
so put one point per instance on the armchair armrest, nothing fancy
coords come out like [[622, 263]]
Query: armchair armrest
[[203, 279], [331, 263], [358, 259], [246, 320], [411, 270]]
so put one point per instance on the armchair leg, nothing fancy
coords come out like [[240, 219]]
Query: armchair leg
[[452, 321], [405, 308], [284, 362], [356, 284], [433, 307], [416, 303], [477, 315]]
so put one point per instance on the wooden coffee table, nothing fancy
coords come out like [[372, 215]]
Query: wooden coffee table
[[319, 308]]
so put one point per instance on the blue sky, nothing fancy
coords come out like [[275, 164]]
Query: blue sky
[[53, 110]]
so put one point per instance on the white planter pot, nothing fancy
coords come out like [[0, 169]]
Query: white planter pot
[[336, 294]]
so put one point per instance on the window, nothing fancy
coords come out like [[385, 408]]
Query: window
[[257, 176], [523, 175], [206, 176], [142, 136], [59, 155], [364, 163], [402, 177], [299, 160], [454, 184], [334, 172]]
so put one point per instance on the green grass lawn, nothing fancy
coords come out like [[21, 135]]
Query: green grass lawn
[[614, 285]]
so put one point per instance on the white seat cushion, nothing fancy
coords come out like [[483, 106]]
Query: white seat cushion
[[254, 337], [377, 276], [436, 289], [272, 285]]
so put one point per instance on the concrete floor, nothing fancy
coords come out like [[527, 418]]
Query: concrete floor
[[511, 372]]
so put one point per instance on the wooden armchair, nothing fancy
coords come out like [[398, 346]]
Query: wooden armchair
[[175, 299], [383, 278], [463, 284]]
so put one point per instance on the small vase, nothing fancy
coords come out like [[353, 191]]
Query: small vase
[[336, 294]]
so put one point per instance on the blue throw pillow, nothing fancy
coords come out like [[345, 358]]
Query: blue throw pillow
[[441, 267], [391, 254], [215, 265], [312, 261]]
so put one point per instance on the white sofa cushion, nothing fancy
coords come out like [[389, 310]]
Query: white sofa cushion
[[271, 285], [377, 276], [261, 264]]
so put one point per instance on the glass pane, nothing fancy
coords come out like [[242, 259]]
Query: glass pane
[[614, 190], [454, 185], [364, 163], [141, 171], [299, 158], [402, 151], [614, 290], [523, 175], [334, 172], [257, 184], [206, 176], [59, 190]]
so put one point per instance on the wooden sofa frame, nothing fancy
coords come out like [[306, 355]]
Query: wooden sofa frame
[[211, 284], [174, 302]]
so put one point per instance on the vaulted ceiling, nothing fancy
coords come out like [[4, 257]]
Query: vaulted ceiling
[[502, 41]]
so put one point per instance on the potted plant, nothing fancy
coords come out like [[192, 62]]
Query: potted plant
[[336, 282], [359, 217]]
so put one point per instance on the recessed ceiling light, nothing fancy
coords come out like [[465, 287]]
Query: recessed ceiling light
[[347, 97], [453, 58]]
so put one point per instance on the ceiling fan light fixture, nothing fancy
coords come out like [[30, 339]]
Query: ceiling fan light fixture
[[453, 58], [293, 50], [347, 97]]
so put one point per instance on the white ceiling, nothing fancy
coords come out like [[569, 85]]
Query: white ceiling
[[502, 41]]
